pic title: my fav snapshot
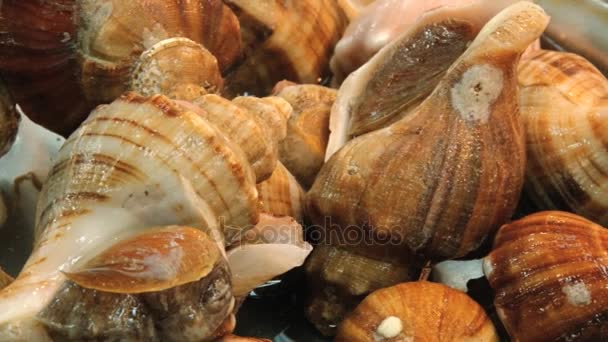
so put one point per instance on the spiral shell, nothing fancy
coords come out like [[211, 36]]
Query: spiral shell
[[281, 194], [423, 185], [548, 271], [61, 58], [417, 311], [178, 190], [564, 106], [303, 149], [284, 40]]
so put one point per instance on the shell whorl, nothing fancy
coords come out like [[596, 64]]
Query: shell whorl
[[564, 107], [548, 271]]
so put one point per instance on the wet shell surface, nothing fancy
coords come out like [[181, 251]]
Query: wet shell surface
[[290, 40], [62, 58], [303, 149], [564, 106], [417, 311], [281, 195], [179, 190], [437, 182], [548, 271], [426, 180]]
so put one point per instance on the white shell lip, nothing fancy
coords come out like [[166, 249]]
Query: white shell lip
[[22, 169]]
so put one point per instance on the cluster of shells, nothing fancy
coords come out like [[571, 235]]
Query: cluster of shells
[[208, 140]]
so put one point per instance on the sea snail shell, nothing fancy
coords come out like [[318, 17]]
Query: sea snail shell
[[564, 107], [548, 271], [179, 190], [442, 179]]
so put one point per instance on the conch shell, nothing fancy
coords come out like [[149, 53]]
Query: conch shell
[[423, 185], [179, 191], [564, 106], [548, 271], [417, 311], [303, 149]]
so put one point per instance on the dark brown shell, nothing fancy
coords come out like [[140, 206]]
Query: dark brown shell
[[548, 271]]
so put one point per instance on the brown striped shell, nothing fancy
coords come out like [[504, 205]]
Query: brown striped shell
[[61, 58], [417, 311], [281, 194], [303, 149], [9, 120], [548, 272], [564, 106], [138, 209], [284, 40], [438, 182], [255, 124]]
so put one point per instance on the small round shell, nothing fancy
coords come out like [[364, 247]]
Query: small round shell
[[548, 272], [417, 311]]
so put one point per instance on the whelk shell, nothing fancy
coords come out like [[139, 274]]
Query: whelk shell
[[178, 189], [564, 107], [548, 271], [438, 182]]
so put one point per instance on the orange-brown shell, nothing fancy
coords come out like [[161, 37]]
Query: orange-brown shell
[[155, 260], [426, 311], [61, 58], [564, 107], [548, 271], [303, 149], [443, 178], [284, 40], [281, 194]]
